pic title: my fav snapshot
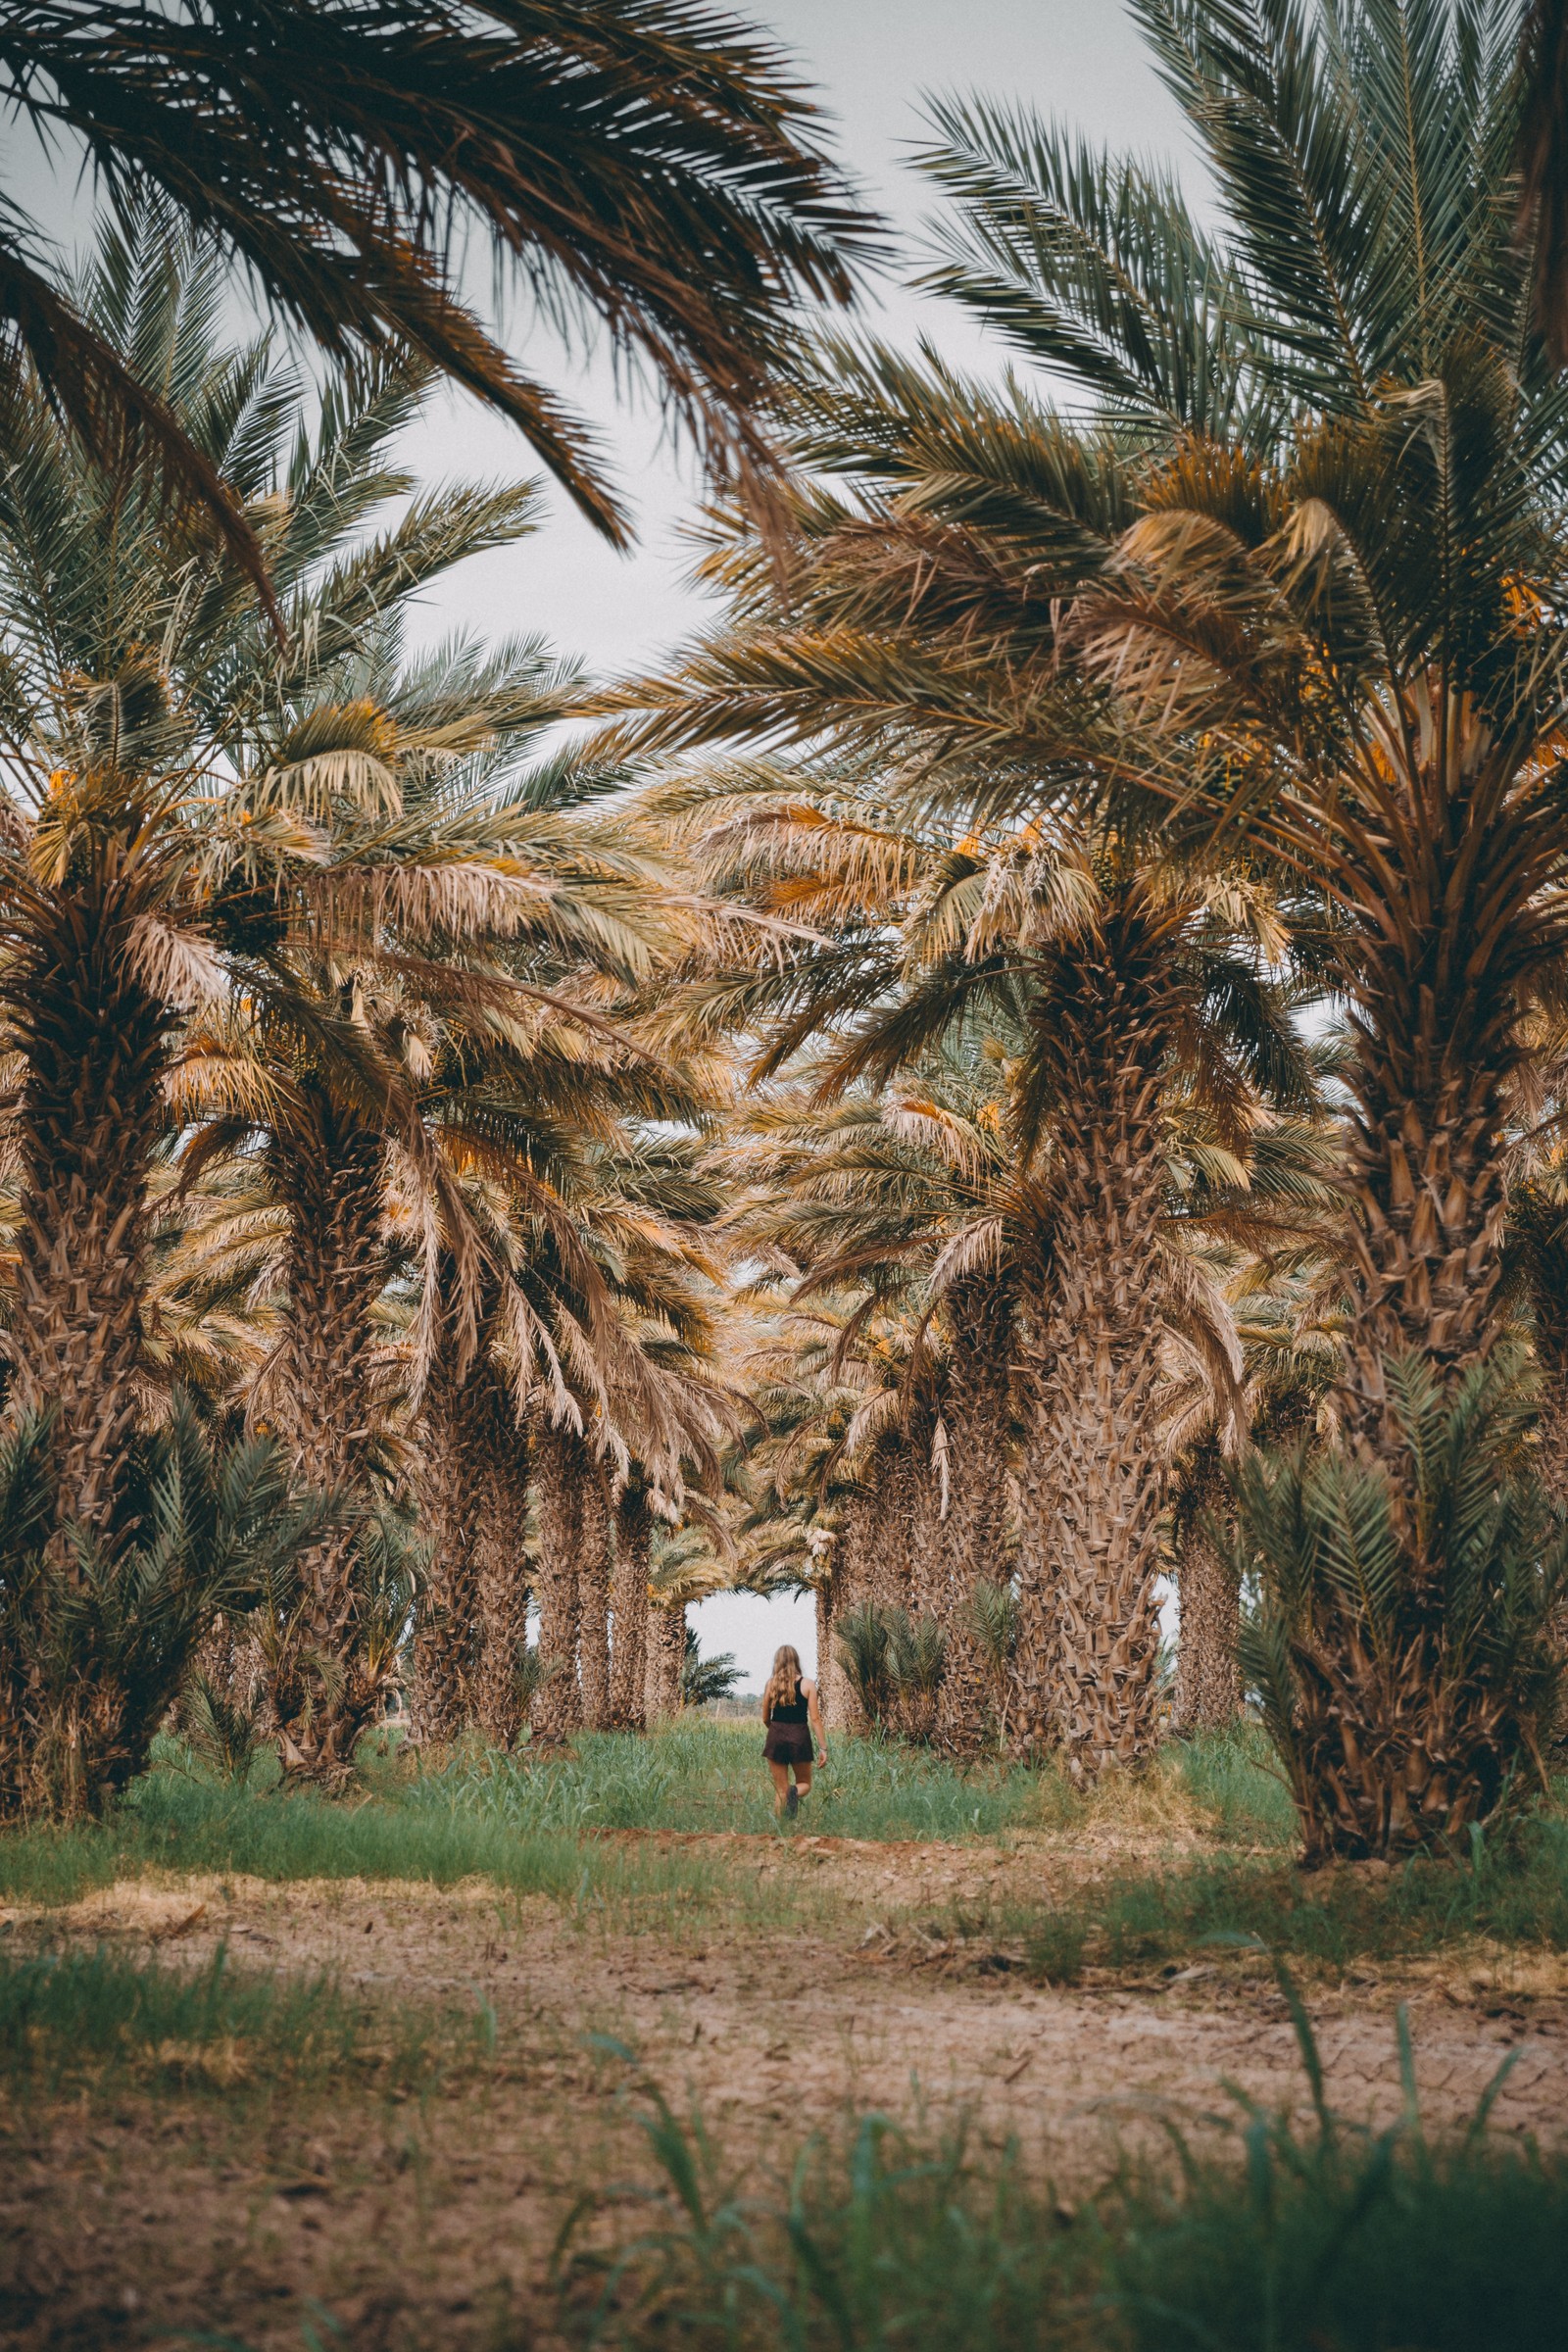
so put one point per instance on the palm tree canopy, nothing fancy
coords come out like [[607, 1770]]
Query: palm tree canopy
[[646, 164]]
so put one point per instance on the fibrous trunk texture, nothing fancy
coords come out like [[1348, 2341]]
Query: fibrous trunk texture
[[593, 1600], [95, 1043], [977, 1417], [96, 1048], [667, 1656], [629, 1601], [857, 1578], [462, 1424], [327, 1679], [1436, 974], [1426, 1173], [1209, 1674], [561, 1470], [928, 1491], [503, 1577], [1092, 1475], [828, 1678]]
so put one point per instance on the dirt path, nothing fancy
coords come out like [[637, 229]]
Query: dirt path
[[418, 2222]]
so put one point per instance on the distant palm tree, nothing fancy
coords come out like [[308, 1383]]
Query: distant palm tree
[[705, 1681], [643, 164]]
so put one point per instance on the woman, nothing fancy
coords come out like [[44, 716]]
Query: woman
[[792, 1717]]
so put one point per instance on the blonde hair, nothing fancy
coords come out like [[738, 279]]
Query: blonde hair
[[784, 1682]]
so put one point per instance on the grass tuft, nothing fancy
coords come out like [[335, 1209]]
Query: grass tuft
[[1288, 2240], [1514, 1892], [70, 2019]]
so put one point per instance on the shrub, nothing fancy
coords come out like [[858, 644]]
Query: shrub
[[1401, 1647]]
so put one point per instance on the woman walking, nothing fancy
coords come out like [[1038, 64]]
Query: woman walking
[[792, 1717]]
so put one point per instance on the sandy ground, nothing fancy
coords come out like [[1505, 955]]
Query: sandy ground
[[423, 2223]]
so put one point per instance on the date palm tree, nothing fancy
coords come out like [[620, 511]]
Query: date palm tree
[[211, 834], [644, 164], [1345, 554]]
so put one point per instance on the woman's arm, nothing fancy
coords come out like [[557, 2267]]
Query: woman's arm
[[814, 1716]]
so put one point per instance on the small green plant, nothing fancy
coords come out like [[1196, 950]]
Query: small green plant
[[864, 1637], [1401, 1647], [917, 1659], [992, 1621], [95, 1644], [894, 1664], [1290, 2239], [69, 2018]]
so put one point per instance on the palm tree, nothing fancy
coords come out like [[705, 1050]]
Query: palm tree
[[650, 167], [1347, 548], [257, 876], [1383, 665], [95, 1646], [1292, 586], [903, 1197]]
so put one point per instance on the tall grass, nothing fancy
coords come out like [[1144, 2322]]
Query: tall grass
[[705, 1776], [1327, 2240], [1513, 1891], [1233, 1777], [73, 2018], [173, 1822], [525, 1823]]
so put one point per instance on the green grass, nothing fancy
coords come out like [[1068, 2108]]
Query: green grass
[[433, 1832], [70, 2019], [1233, 1776], [1513, 1891], [525, 1825], [700, 1774], [1323, 2240]]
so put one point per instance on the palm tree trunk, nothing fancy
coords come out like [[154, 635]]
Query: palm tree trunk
[[1208, 1675], [561, 1472], [1426, 1173], [502, 1566], [904, 1501], [856, 1574], [325, 1685], [667, 1656], [628, 1600], [1094, 1478], [593, 1600], [462, 1425], [827, 1665], [96, 1049], [978, 1418]]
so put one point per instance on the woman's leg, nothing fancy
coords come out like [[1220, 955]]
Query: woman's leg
[[803, 1777], [781, 1784]]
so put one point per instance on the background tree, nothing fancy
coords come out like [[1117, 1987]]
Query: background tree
[[648, 166]]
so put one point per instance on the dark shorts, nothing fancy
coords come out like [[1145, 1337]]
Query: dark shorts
[[788, 1743]]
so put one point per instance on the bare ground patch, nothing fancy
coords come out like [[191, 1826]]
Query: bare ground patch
[[420, 2222]]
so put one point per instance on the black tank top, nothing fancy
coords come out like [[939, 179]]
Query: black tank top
[[795, 1712]]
